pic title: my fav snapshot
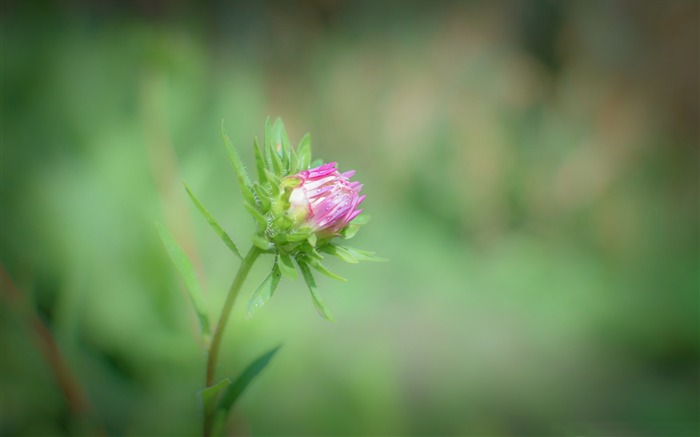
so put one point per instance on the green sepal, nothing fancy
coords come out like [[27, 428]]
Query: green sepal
[[262, 243], [263, 197], [321, 308], [257, 215], [277, 165], [311, 251], [293, 161], [296, 236], [274, 181], [260, 163], [286, 266], [304, 152], [212, 222], [320, 267], [267, 145], [264, 292], [186, 270], [313, 239], [241, 174], [233, 391], [280, 138], [316, 163], [340, 252], [351, 229], [363, 255]]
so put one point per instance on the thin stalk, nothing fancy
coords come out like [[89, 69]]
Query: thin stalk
[[243, 270]]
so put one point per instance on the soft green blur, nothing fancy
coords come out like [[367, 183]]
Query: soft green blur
[[531, 169]]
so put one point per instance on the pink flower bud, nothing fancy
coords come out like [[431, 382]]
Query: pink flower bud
[[325, 199]]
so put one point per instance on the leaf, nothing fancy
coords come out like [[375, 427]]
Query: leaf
[[287, 267], [257, 215], [241, 174], [264, 291], [260, 163], [311, 283], [282, 139], [316, 163], [304, 152], [263, 197], [186, 270], [340, 252], [361, 219], [363, 255], [262, 243], [349, 231], [293, 162], [234, 391], [210, 396], [213, 223], [320, 267]]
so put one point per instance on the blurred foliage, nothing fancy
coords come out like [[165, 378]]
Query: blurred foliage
[[531, 169]]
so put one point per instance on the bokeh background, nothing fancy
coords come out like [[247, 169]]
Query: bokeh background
[[531, 169]]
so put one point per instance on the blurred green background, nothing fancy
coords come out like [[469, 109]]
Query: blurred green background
[[531, 169]]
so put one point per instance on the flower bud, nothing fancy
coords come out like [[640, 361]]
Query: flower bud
[[324, 199]]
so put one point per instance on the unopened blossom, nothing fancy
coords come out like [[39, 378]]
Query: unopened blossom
[[325, 199]]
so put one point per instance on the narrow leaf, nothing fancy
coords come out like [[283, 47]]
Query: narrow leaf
[[234, 391], [186, 270], [241, 174], [260, 163], [210, 395], [363, 255], [257, 215], [267, 144], [212, 222], [287, 267], [263, 197], [311, 283], [340, 252], [304, 152], [320, 267], [261, 243], [264, 291]]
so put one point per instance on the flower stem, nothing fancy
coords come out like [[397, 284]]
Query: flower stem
[[243, 270]]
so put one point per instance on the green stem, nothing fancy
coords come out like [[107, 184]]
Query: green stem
[[243, 270]]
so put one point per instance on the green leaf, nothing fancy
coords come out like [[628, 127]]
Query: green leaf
[[213, 223], [186, 270], [304, 152], [349, 231], [363, 255], [234, 391], [361, 219], [340, 252], [264, 291], [267, 145], [287, 267], [320, 267], [313, 239], [210, 396], [241, 174], [262, 243], [316, 163], [311, 283], [277, 165], [257, 215], [263, 197], [260, 163], [283, 140]]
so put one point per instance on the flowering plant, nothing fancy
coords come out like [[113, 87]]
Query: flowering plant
[[302, 210]]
